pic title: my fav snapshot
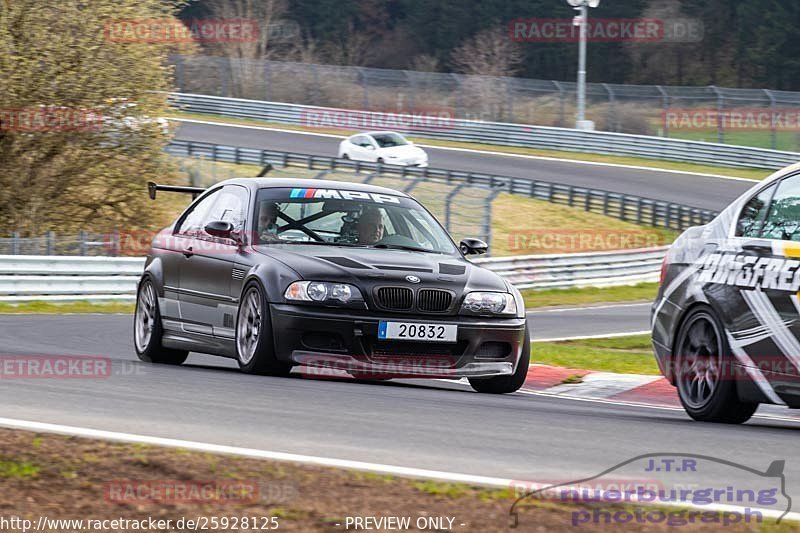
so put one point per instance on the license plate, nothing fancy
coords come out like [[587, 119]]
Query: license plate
[[417, 331]]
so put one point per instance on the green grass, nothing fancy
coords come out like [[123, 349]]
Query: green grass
[[16, 469], [784, 140], [757, 174], [625, 355], [65, 307], [589, 295], [521, 226]]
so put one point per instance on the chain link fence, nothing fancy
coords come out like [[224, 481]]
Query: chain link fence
[[465, 211], [750, 117]]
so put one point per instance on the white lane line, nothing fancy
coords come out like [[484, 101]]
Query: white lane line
[[336, 463], [642, 405], [601, 336], [475, 151], [586, 308], [30, 425]]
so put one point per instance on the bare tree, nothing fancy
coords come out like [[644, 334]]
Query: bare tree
[[488, 53], [246, 55], [354, 48], [425, 63], [665, 62], [489, 57]]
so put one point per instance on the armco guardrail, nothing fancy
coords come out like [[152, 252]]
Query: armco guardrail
[[27, 278], [36, 277], [596, 269], [502, 133], [625, 207]]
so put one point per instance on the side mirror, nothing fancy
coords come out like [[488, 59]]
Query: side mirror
[[221, 229], [369, 147], [473, 247]]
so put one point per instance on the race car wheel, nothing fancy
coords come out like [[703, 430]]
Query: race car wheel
[[345, 156], [255, 351], [704, 372], [510, 383], [147, 329]]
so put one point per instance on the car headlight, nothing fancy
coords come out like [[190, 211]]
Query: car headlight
[[322, 292], [490, 303]]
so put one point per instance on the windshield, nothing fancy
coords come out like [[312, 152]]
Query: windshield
[[387, 140], [342, 217]]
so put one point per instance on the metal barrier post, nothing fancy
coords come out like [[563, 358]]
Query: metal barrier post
[[82, 242], [773, 134]]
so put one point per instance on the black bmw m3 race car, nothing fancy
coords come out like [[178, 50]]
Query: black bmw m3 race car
[[278, 273], [726, 321]]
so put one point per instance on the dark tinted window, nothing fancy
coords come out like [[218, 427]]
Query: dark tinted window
[[783, 219], [749, 224]]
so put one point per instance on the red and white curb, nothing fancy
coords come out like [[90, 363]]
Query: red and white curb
[[578, 383]]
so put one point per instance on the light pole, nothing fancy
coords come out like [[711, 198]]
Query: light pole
[[582, 6]]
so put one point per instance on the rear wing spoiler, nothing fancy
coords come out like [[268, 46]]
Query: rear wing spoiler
[[153, 187]]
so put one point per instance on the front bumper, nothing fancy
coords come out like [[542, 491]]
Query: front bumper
[[347, 340]]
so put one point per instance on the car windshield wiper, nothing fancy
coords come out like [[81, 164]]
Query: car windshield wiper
[[409, 248]]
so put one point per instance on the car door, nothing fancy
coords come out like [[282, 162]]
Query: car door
[[776, 305], [179, 250], [207, 304], [739, 299], [363, 149]]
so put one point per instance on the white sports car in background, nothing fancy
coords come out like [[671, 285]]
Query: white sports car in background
[[385, 147]]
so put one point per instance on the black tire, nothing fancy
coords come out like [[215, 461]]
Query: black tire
[[512, 382], [345, 156], [255, 350], [147, 329], [701, 351]]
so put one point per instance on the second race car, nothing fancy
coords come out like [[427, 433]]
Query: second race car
[[726, 321]]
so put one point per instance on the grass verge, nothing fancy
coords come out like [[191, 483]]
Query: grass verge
[[104, 480], [522, 226], [62, 308], [535, 298], [624, 355], [756, 174]]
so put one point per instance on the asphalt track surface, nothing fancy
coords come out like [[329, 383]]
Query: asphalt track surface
[[422, 424], [599, 320], [688, 189]]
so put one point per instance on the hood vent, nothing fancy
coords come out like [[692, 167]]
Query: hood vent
[[344, 262], [403, 268], [454, 270]]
